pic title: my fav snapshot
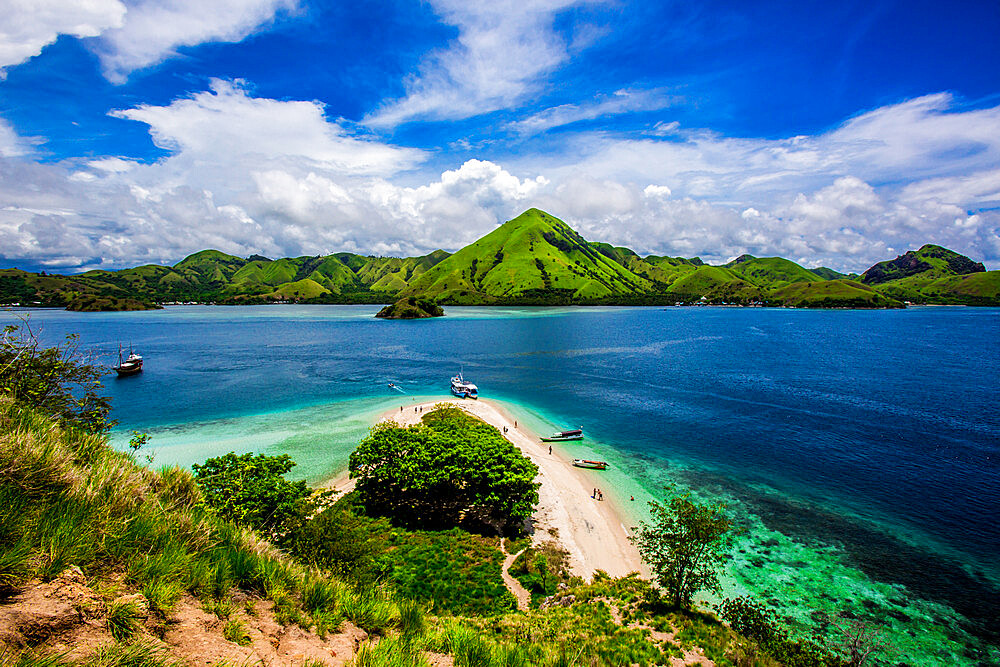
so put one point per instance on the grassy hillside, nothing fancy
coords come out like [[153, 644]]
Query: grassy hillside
[[934, 274], [831, 294], [535, 256], [927, 263], [533, 259], [772, 272]]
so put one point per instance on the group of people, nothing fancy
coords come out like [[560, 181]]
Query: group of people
[[598, 495]]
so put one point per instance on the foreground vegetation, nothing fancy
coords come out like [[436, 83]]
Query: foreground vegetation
[[534, 259]]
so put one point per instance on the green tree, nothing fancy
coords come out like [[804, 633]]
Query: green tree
[[684, 546], [347, 545], [60, 381], [450, 470], [252, 491]]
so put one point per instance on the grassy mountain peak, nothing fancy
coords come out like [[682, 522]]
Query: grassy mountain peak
[[534, 256]]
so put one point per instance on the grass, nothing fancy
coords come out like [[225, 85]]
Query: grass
[[541, 569], [123, 619], [235, 631], [453, 570], [134, 654], [389, 652], [67, 498]]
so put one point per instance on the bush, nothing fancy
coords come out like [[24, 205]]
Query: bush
[[252, 491], [59, 381], [452, 469]]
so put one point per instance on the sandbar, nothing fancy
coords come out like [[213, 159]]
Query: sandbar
[[592, 531]]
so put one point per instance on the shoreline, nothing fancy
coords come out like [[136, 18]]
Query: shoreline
[[593, 532]]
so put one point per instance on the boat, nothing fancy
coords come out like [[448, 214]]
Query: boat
[[130, 365], [562, 436], [595, 465], [463, 389]]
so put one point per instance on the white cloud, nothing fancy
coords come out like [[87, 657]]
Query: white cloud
[[503, 50], [28, 26], [226, 124], [249, 175], [153, 30], [621, 102]]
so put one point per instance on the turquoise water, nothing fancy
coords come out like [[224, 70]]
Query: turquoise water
[[858, 448]]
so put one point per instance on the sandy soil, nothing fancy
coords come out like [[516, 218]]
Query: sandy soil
[[592, 531]]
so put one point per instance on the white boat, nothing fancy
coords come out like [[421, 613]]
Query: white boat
[[596, 465], [463, 389], [563, 436]]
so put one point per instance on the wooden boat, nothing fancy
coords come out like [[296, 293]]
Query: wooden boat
[[562, 436], [595, 465], [128, 366]]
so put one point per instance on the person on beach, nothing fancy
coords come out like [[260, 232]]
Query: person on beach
[[550, 449], [594, 494]]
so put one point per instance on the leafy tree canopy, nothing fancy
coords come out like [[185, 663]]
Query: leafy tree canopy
[[252, 491], [452, 469], [684, 546], [60, 381]]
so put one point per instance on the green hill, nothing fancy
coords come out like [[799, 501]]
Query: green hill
[[533, 258], [771, 272], [934, 274], [829, 274], [831, 294]]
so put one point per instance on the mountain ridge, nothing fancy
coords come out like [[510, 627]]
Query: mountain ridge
[[532, 259]]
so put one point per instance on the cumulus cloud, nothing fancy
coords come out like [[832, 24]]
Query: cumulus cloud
[[502, 52], [28, 26], [246, 174], [226, 123], [153, 30]]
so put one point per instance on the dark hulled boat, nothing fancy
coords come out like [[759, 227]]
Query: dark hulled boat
[[130, 365]]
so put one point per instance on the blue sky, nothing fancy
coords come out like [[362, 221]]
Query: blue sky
[[830, 133]]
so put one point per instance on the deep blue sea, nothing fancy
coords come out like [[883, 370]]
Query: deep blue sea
[[860, 450]]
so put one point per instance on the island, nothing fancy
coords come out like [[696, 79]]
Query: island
[[411, 308]]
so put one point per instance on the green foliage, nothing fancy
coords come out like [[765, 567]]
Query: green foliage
[[59, 381], [123, 619], [411, 619], [236, 632], [251, 491], [134, 654], [345, 544], [389, 652], [684, 546], [454, 570], [541, 569], [452, 469], [411, 308], [755, 621]]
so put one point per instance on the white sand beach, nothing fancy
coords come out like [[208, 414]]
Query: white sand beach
[[592, 531]]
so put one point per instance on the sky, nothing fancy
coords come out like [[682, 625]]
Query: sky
[[831, 133]]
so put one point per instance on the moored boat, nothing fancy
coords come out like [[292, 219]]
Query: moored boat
[[128, 366], [463, 389], [562, 436], [595, 465]]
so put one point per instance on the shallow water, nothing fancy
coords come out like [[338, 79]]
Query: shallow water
[[859, 448]]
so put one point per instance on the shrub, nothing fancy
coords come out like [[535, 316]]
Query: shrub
[[123, 619]]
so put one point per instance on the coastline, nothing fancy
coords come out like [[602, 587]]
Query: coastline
[[593, 532]]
